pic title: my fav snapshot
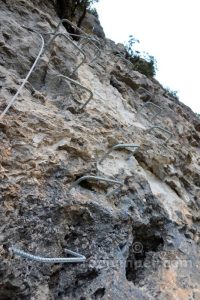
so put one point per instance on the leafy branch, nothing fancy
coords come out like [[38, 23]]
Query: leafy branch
[[142, 61]]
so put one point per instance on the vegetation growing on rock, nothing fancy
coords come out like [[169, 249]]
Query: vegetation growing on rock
[[142, 62]]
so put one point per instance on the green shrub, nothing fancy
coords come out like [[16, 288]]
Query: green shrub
[[171, 93], [142, 61]]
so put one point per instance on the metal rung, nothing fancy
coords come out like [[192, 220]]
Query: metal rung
[[77, 259], [118, 146], [149, 103], [96, 178], [145, 90], [162, 129], [72, 24], [85, 35], [92, 41], [70, 41], [124, 59], [27, 76], [78, 84]]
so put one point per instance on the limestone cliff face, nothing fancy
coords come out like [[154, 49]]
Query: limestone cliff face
[[142, 242]]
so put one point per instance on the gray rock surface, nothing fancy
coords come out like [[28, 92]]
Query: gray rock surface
[[140, 243], [91, 24]]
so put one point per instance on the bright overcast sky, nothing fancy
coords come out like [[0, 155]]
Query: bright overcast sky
[[168, 30]]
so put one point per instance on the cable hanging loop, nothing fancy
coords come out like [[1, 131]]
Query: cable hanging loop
[[78, 258], [28, 75]]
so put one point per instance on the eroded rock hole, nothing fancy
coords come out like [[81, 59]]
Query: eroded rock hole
[[89, 276], [10, 291], [99, 294], [138, 252]]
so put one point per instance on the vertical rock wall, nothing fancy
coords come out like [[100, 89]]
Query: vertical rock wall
[[142, 242]]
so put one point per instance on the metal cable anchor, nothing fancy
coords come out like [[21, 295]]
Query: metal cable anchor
[[97, 178], [162, 129], [77, 259], [118, 146], [28, 75], [80, 85]]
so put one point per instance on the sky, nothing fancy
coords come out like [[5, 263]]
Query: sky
[[168, 30]]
